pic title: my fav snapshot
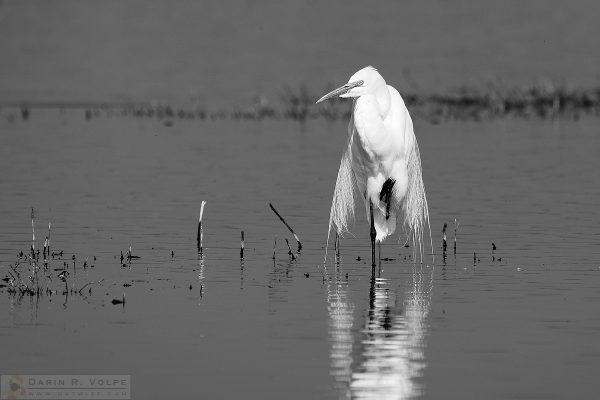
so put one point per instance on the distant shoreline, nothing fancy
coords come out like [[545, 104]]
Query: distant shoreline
[[465, 103]]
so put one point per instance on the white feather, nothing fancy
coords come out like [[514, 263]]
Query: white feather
[[342, 205]]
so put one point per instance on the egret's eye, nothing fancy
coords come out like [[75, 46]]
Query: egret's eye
[[355, 84]]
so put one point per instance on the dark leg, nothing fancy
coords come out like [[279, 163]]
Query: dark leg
[[386, 195], [373, 234]]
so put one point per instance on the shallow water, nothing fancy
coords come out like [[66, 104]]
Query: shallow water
[[518, 322]]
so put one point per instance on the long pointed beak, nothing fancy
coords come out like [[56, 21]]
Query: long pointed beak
[[340, 91]]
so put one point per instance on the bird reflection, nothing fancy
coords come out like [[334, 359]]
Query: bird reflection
[[341, 320], [388, 357]]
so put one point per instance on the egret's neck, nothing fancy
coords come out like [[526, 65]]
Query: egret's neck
[[383, 97], [377, 101]]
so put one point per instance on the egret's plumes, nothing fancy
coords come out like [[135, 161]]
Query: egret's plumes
[[416, 210], [342, 206], [381, 161]]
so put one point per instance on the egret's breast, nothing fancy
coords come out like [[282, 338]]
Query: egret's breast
[[379, 148]]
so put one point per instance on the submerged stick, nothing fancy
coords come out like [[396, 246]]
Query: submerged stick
[[119, 301], [274, 246], [242, 246], [200, 235], [289, 227], [88, 284]]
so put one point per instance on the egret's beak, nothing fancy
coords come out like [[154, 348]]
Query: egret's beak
[[340, 91]]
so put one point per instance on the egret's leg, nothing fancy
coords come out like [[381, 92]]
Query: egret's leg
[[379, 245], [373, 234]]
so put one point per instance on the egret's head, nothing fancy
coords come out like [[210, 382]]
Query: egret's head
[[364, 81]]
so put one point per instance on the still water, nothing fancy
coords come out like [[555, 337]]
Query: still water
[[521, 321]]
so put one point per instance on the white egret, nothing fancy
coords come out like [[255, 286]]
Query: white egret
[[381, 161]]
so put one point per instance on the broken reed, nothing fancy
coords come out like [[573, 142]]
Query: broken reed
[[46, 246], [47, 243], [242, 246], [129, 257], [32, 233], [200, 234], [287, 225], [444, 244], [445, 241]]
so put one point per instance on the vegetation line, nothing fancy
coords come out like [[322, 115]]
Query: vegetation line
[[465, 103]]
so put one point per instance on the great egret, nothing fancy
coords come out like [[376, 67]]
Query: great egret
[[381, 160]]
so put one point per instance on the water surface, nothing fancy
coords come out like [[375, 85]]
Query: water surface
[[518, 322]]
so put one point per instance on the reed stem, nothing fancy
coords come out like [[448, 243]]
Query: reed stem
[[242, 246], [289, 227], [200, 234]]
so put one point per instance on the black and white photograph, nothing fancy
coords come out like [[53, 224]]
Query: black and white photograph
[[299, 199]]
